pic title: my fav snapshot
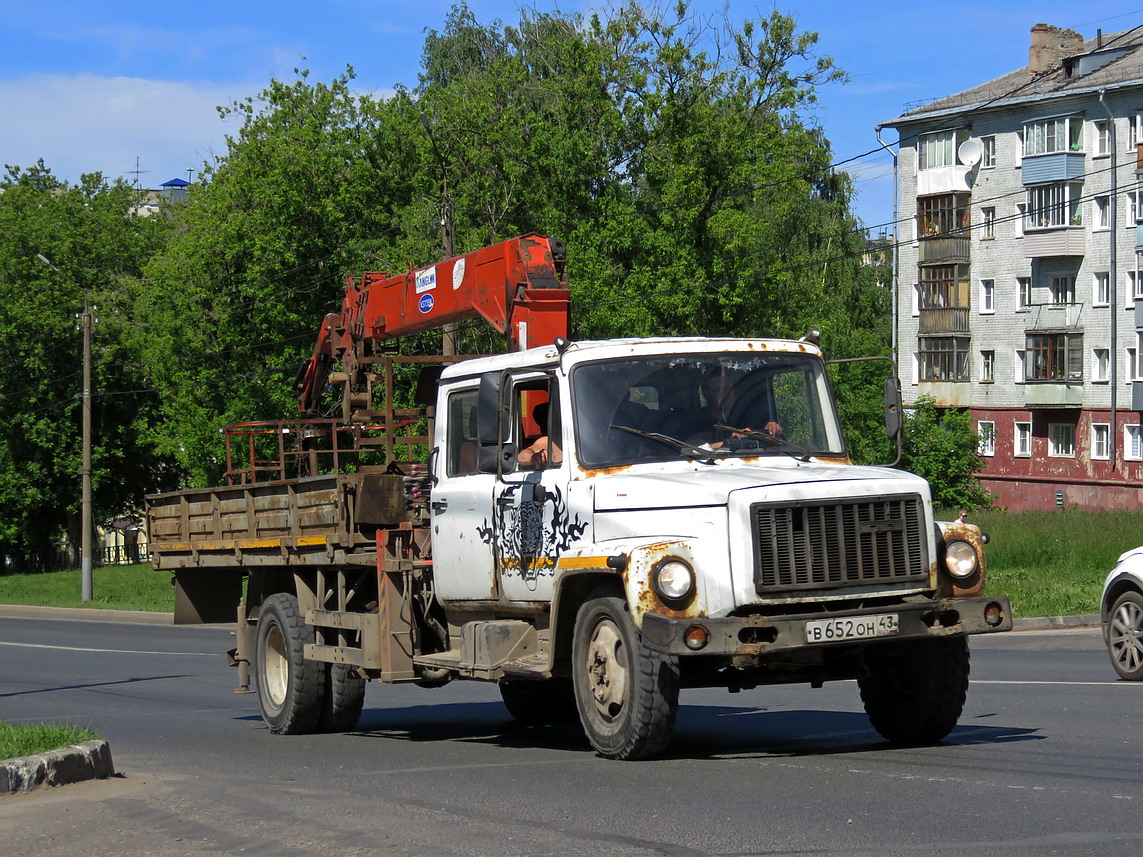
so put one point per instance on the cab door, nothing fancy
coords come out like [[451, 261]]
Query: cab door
[[463, 566], [533, 523]]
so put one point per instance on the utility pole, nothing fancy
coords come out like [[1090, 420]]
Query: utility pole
[[85, 473], [85, 563], [448, 247]]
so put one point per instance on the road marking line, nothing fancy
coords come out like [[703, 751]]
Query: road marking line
[[1065, 683], [109, 651]]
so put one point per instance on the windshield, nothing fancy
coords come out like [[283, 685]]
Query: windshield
[[702, 406]]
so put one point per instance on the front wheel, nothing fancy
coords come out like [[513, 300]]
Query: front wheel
[[1125, 636], [290, 687], [626, 693], [915, 694]]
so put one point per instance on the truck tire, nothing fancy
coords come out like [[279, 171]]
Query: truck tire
[[627, 694], [290, 688], [531, 701], [916, 694], [343, 699]]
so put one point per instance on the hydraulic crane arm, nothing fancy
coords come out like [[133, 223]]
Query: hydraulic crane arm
[[518, 286]]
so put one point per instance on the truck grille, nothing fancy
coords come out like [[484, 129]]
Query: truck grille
[[849, 543]]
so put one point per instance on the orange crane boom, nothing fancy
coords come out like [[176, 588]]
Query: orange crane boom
[[518, 286]]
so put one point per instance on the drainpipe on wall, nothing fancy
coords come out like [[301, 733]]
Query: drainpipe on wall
[[1112, 297], [896, 242]]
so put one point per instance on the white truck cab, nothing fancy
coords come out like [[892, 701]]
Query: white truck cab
[[698, 493]]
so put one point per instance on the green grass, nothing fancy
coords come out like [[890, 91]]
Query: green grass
[[31, 738], [113, 587], [1053, 563]]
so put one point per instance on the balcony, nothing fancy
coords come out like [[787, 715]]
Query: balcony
[[1056, 394], [945, 248], [1047, 318], [1056, 167], [1054, 241], [944, 320]]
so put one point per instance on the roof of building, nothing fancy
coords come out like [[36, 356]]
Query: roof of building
[[176, 183], [1110, 61]]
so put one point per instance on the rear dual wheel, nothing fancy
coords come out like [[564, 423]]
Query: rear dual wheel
[[298, 695]]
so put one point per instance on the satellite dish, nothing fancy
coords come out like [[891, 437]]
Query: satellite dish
[[969, 152]]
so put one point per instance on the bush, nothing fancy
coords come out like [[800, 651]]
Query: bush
[[941, 446]]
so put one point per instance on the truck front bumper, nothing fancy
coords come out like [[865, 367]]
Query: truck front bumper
[[757, 635]]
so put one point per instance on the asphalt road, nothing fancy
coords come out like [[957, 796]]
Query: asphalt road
[[1048, 759]]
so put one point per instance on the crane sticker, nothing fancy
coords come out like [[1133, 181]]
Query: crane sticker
[[426, 279], [425, 304], [530, 533]]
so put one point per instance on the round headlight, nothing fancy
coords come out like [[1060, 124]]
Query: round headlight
[[674, 580], [960, 559]]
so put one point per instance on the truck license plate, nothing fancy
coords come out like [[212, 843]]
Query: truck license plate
[[851, 628]]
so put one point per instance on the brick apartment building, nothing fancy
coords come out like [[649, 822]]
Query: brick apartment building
[[1018, 268]]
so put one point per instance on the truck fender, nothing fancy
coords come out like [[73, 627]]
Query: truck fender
[[625, 570]]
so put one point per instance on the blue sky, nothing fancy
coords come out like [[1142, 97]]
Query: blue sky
[[121, 87]]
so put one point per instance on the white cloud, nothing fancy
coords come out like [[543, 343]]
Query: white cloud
[[87, 123]]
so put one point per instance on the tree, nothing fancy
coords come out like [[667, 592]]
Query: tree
[[941, 446], [674, 155], [97, 242]]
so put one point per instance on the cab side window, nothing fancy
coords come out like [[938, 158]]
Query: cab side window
[[462, 442]]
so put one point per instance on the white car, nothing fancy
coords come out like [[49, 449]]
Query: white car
[[1121, 611]]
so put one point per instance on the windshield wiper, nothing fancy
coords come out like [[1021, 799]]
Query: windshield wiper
[[799, 453], [704, 454]]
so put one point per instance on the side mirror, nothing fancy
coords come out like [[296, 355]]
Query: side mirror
[[491, 410], [496, 458], [892, 408]]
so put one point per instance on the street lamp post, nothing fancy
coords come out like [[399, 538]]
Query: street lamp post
[[85, 564]]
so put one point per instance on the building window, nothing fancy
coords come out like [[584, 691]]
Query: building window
[[916, 299], [1100, 435], [1019, 363], [1061, 440], [987, 296], [1132, 209], [939, 150], [1100, 364], [1102, 212], [1133, 135], [1053, 357], [943, 358], [1045, 136], [1129, 365], [1063, 290], [1018, 222], [988, 224], [1022, 445], [1023, 292], [1100, 288], [1131, 285], [1102, 134], [946, 214], [988, 152], [987, 367], [986, 431], [1132, 443], [1053, 205]]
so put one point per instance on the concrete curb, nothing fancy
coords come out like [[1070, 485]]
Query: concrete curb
[[90, 760], [85, 614], [1057, 623]]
